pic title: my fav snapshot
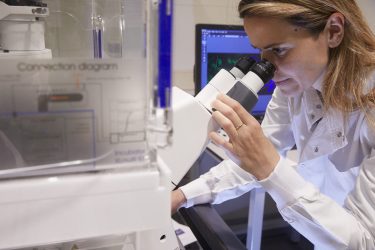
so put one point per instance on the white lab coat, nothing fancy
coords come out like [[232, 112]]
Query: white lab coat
[[330, 196]]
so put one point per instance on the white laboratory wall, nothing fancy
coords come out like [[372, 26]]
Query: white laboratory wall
[[368, 8], [190, 12]]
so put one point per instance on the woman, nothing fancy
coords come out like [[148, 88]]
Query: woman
[[324, 103]]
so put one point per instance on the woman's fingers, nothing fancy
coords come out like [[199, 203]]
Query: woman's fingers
[[229, 113], [225, 123], [247, 143], [221, 141], [240, 111]]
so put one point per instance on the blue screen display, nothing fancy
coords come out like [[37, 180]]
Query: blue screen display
[[221, 48]]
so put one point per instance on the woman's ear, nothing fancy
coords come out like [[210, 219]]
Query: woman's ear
[[335, 28]]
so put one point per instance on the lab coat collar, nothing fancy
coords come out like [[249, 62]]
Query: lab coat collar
[[314, 107], [314, 112], [334, 119], [313, 101], [318, 84]]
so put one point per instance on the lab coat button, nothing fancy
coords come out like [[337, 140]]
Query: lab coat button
[[312, 116], [339, 134], [318, 106], [316, 149], [289, 220]]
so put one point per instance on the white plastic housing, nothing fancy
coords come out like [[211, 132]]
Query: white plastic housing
[[22, 36], [66, 208], [191, 125], [222, 82], [253, 82], [237, 72]]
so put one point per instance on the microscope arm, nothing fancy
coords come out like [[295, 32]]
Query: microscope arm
[[192, 120], [191, 124]]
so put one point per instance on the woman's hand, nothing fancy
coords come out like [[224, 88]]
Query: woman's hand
[[247, 143], [177, 199]]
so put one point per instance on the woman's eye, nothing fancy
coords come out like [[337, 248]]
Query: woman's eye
[[279, 51]]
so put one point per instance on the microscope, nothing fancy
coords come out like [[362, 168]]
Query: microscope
[[22, 29], [192, 120]]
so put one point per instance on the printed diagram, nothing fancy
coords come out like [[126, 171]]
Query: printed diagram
[[50, 138], [45, 99], [127, 122], [73, 120], [115, 121], [65, 122]]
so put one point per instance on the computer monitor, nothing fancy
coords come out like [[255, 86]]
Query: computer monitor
[[219, 46]]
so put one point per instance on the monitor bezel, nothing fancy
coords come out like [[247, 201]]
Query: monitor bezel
[[198, 48]]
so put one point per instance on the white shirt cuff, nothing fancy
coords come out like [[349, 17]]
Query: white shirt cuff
[[196, 192], [285, 185]]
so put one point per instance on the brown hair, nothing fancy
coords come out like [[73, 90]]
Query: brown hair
[[355, 55]]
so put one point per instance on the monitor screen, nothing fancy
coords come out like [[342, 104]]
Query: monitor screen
[[220, 46]]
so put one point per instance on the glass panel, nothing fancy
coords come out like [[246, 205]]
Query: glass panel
[[72, 112]]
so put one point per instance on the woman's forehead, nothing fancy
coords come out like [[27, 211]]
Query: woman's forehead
[[265, 31]]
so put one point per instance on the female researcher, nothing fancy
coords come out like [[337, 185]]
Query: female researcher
[[324, 103]]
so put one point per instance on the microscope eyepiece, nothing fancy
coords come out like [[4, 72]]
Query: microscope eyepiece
[[245, 64], [245, 90], [265, 70]]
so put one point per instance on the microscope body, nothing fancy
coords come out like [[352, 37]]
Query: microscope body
[[192, 119]]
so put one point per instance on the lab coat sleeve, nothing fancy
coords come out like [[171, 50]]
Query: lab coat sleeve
[[222, 182], [319, 218]]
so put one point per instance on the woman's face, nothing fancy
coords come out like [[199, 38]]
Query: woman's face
[[300, 58]]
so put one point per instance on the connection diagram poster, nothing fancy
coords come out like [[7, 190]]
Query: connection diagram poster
[[91, 114]]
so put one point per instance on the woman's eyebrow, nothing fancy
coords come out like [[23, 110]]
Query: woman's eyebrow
[[267, 47]]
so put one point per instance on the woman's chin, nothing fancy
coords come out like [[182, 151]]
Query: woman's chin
[[290, 91]]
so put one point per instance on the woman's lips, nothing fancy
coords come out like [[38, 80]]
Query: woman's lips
[[282, 82]]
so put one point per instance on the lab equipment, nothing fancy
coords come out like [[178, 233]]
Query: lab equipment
[[97, 34], [162, 91], [22, 29], [78, 165], [165, 50], [222, 81], [190, 138], [245, 90]]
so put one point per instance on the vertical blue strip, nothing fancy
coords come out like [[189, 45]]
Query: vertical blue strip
[[165, 52], [100, 44], [97, 39]]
